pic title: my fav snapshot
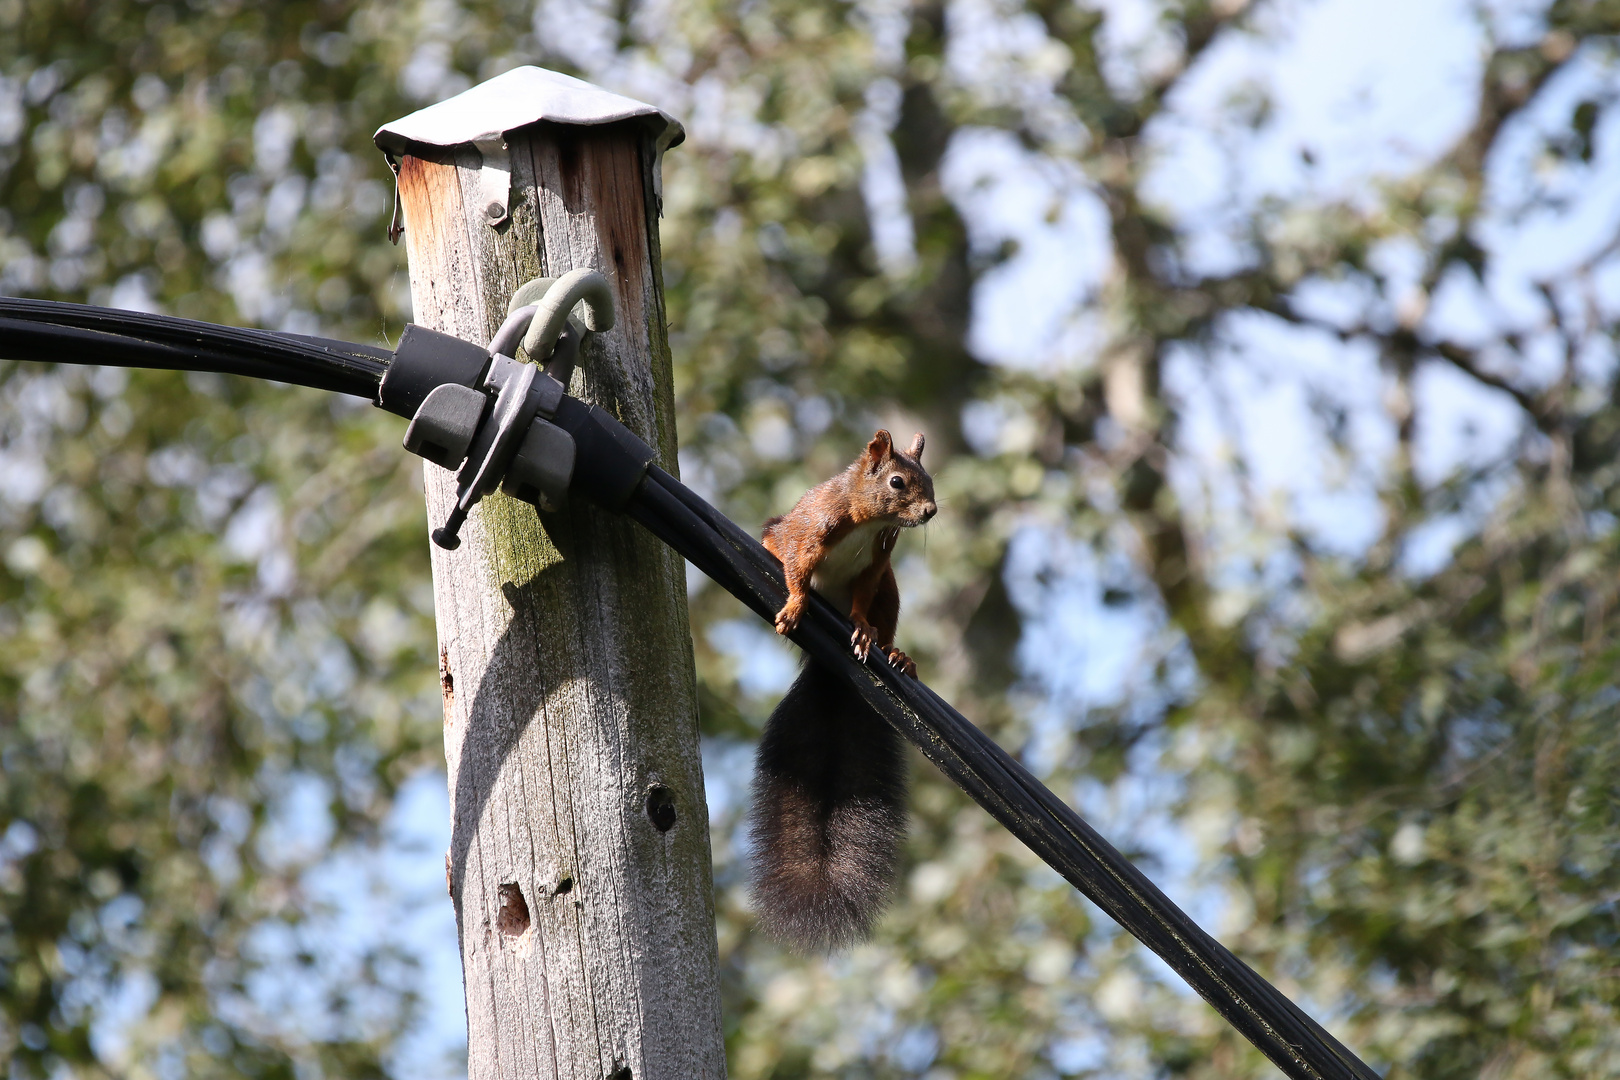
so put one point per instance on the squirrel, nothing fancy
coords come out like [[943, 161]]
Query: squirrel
[[829, 811]]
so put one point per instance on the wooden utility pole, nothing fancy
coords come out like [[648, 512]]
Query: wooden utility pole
[[579, 862]]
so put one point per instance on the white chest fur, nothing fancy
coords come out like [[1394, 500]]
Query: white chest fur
[[844, 561]]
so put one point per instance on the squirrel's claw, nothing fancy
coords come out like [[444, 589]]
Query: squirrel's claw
[[900, 660], [861, 639], [787, 620]]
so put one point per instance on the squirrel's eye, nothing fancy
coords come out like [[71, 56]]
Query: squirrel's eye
[[897, 482]]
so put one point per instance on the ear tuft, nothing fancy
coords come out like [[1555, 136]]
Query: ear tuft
[[916, 448], [879, 449]]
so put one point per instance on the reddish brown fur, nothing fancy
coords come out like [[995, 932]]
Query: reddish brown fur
[[829, 783], [828, 513]]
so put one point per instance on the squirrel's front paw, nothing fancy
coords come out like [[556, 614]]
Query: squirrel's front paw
[[787, 620], [861, 639], [900, 660]]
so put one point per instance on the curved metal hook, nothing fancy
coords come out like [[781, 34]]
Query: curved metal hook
[[529, 293], [560, 364], [510, 335], [551, 313], [538, 318]]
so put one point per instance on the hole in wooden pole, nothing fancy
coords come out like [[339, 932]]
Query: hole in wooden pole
[[661, 808], [513, 916]]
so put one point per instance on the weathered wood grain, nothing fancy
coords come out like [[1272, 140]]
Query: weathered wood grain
[[579, 862]]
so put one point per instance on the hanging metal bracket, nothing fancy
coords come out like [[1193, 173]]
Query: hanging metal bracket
[[495, 180], [489, 416]]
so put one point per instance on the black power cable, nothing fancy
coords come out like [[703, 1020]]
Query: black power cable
[[52, 332], [615, 470], [1294, 1042]]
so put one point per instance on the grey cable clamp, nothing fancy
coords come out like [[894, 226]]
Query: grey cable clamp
[[493, 425]]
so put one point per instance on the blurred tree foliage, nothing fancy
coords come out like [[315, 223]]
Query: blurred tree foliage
[[1400, 776]]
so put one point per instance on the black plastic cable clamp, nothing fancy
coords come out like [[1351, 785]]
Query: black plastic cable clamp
[[424, 361], [610, 460], [530, 439]]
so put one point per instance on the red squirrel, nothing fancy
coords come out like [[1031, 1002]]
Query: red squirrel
[[829, 777]]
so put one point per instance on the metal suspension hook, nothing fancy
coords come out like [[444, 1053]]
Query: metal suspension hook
[[560, 365], [539, 319], [495, 428], [552, 307], [510, 335]]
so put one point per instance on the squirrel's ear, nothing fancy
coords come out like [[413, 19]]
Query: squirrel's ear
[[879, 448], [916, 448]]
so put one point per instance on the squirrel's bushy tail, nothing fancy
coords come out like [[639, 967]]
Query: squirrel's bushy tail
[[829, 814]]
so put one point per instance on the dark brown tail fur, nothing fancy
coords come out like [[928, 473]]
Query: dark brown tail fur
[[829, 814]]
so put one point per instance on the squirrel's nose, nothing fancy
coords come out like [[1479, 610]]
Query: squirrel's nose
[[929, 511]]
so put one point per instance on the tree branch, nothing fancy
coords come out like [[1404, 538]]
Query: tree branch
[[1543, 412]]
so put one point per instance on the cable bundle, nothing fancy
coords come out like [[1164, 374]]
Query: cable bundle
[[52, 332], [614, 470]]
